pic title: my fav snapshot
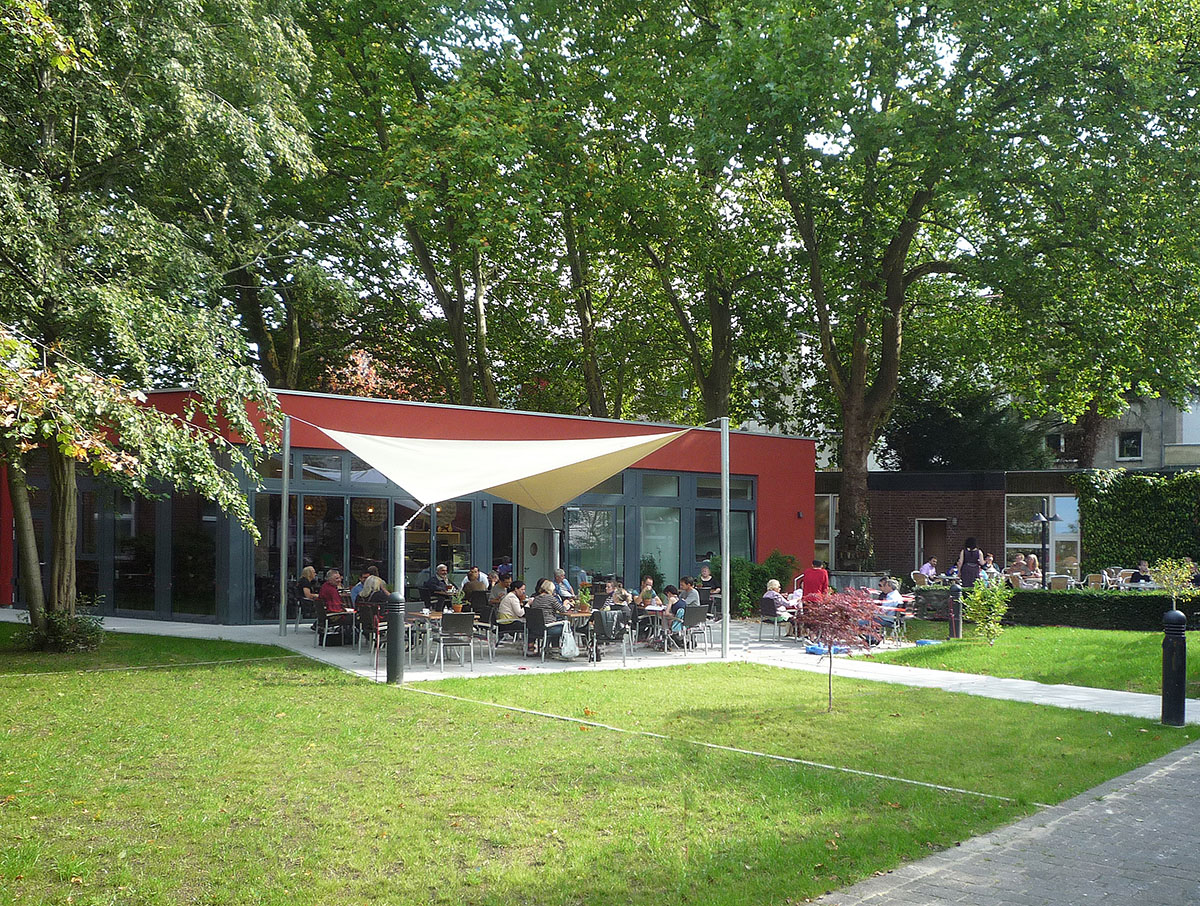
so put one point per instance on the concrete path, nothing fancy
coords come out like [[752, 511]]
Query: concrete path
[[743, 645], [1134, 841]]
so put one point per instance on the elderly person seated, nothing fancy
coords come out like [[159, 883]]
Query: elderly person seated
[[439, 587], [889, 601], [562, 588], [554, 610]]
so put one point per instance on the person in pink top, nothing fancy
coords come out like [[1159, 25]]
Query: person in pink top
[[814, 580]]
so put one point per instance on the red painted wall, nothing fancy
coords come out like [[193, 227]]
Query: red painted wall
[[784, 466]]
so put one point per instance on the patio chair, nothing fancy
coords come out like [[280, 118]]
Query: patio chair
[[695, 619], [608, 627], [366, 622], [919, 578], [898, 631], [477, 601], [1094, 580], [767, 614], [485, 627], [332, 624], [1060, 583], [535, 630], [457, 631]]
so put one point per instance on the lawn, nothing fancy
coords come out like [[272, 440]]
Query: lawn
[[1100, 658], [281, 781]]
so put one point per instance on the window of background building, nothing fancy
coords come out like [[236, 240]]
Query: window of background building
[[595, 541], [324, 532], [321, 466], [368, 537], [708, 534], [502, 533], [739, 488], [1024, 536], [660, 539], [824, 520], [660, 485], [613, 485], [1129, 445]]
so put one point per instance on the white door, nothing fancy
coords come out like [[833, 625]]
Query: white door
[[536, 557]]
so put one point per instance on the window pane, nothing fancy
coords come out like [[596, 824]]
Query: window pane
[[1019, 525], [454, 536], [591, 541], [739, 488], [1066, 557], [660, 485], [321, 466], [324, 524], [133, 588], [368, 537], [708, 534], [362, 472], [1129, 445], [193, 555], [821, 520], [271, 467], [614, 485], [660, 539], [1067, 509], [502, 535], [266, 554], [821, 551], [87, 565], [416, 547]]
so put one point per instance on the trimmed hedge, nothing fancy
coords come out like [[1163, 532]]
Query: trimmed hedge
[[749, 579], [1082, 608], [1128, 516], [1093, 609]]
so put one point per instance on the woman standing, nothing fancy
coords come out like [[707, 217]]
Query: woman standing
[[970, 563]]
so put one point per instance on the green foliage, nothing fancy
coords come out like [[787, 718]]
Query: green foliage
[[749, 579], [985, 605], [1089, 609], [63, 631], [1131, 516], [649, 567], [1175, 575]]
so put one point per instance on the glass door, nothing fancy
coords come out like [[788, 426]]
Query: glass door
[[595, 541]]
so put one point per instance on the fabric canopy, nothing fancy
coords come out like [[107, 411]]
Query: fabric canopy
[[539, 474]]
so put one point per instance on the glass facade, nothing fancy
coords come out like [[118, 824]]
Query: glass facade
[[193, 555], [368, 536], [708, 534], [267, 514], [824, 527], [660, 539], [134, 560], [595, 537], [1023, 535]]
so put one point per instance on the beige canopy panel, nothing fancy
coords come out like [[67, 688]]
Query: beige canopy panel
[[539, 474]]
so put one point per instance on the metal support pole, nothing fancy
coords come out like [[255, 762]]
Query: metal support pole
[[1174, 675], [726, 591], [283, 531], [395, 653], [557, 551], [955, 600]]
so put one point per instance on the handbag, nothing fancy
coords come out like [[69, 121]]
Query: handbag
[[569, 647]]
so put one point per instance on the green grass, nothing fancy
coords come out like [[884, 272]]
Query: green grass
[[1100, 658], [284, 781]]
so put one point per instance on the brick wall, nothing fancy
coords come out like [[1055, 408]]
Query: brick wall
[[894, 514]]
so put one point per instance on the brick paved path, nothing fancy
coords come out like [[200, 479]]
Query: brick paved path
[[1133, 841]]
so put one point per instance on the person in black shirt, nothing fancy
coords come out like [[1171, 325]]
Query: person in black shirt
[[1142, 574]]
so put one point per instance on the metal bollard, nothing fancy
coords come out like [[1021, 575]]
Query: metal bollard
[[1174, 683], [955, 601], [395, 652]]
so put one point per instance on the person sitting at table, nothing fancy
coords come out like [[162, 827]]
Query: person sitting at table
[[605, 598], [989, 567], [474, 581], [888, 602], [1194, 579], [358, 587], [512, 605], [929, 567], [707, 580], [774, 593], [439, 587], [554, 610], [688, 596], [1033, 570], [562, 588], [647, 595], [1142, 574], [373, 586], [500, 588], [814, 581]]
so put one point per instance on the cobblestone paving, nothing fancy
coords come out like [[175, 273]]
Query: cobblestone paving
[[1133, 841]]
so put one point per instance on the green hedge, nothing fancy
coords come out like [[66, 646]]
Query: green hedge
[[1083, 608], [749, 579], [1129, 516]]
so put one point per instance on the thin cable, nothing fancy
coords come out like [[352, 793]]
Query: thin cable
[[721, 748]]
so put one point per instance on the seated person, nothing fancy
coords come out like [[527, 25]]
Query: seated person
[[889, 601], [372, 584], [605, 598], [989, 567], [512, 605], [774, 594], [547, 602], [500, 587], [439, 587], [1018, 567], [331, 599], [474, 581], [688, 596], [357, 589], [1033, 570], [562, 588], [929, 567], [707, 580], [647, 596], [1195, 577], [1142, 574]]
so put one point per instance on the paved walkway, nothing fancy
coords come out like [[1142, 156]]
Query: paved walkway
[[1134, 841], [743, 645]]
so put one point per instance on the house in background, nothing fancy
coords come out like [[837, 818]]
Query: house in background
[[1151, 434]]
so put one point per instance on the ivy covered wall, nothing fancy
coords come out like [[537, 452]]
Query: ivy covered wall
[[1129, 516]]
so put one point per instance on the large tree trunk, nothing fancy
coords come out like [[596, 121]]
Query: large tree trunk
[[27, 553], [483, 356], [64, 528], [1090, 424], [585, 310], [855, 549]]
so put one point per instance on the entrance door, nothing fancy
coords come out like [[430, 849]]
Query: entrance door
[[931, 542], [536, 556]]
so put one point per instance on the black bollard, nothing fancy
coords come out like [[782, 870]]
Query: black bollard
[[395, 634], [955, 600], [1174, 686]]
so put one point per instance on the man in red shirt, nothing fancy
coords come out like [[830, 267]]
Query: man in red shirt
[[814, 581], [329, 594]]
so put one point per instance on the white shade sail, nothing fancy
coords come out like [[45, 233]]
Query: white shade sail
[[539, 474]]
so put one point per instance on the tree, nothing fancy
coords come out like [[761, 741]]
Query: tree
[[838, 618], [985, 605], [917, 147], [94, 269]]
